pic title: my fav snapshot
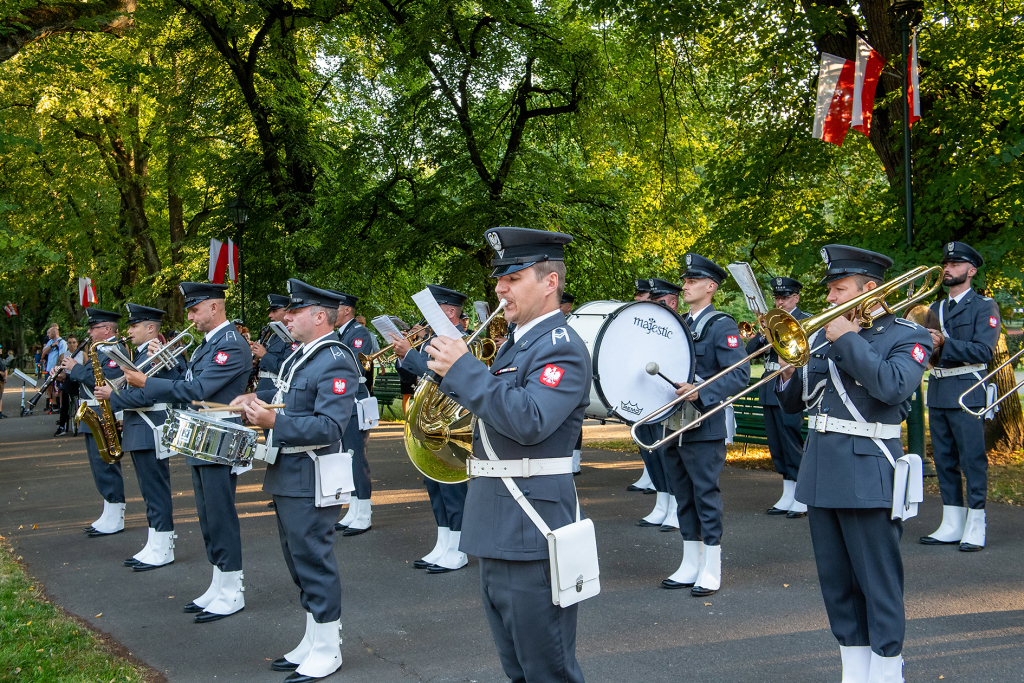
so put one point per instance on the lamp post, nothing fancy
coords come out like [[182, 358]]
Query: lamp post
[[908, 14], [239, 212]]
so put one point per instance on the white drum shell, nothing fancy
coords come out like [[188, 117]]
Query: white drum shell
[[622, 339]]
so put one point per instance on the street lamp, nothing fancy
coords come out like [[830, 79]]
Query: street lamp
[[239, 212]]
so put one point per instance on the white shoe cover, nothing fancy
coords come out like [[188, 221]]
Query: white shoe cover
[[657, 515], [112, 519], [788, 493], [672, 514], [162, 550], [305, 645], [362, 518], [687, 572], [954, 522], [324, 657], [644, 482], [974, 533], [231, 596], [143, 554], [709, 573], [856, 663], [211, 592], [797, 506], [351, 514], [453, 558], [440, 547], [886, 669]]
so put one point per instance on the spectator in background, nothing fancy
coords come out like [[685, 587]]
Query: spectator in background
[[3, 382], [38, 359], [67, 389], [53, 351]]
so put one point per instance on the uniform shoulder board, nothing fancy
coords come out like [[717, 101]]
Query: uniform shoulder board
[[559, 333], [986, 298], [230, 335], [336, 351], [906, 323]]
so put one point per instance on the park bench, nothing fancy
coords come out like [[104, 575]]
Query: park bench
[[387, 387], [750, 421]]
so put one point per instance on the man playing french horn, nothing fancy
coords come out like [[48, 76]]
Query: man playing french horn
[[530, 406]]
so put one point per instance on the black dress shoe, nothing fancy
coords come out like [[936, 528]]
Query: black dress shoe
[[340, 527], [87, 529], [928, 540], [283, 665], [422, 564], [131, 562], [300, 678], [644, 522], [349, 531], [60, 432], [97, 534], [672, 585], [438, 569], [143, 567], [205, 617], [649, 492], [970, 548], [795, 515], [699, 592], [632, 487], [272, 505], [192, 608], [776, 511], [666, 527]]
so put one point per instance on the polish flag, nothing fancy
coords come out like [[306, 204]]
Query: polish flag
[[10, 309], [914, 88], [834, 107], [86, 292], [866, 71], [223, 262]]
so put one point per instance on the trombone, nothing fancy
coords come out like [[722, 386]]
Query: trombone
[[984, 380], [367, 360], [791, 338]]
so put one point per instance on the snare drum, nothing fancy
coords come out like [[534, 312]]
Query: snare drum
[[207, 438], [622, 339]]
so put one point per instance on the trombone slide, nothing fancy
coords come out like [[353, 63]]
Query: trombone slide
[[984, 380]]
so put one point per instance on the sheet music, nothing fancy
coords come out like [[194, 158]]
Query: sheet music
[[483, 311], [436, 318], [28, 381], [281, 331], [386, 327], [744, 275]]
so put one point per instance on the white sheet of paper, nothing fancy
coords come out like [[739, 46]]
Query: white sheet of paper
[[483, 311], [281, 330], [28, 381], [744, 275], [436, 318], [386, 327]]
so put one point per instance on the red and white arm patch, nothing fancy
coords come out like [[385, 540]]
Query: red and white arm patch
[[357, 343], [294, 346], [221, 358], [551, 375], [993, 321], [111, 364], [733, 341], [918, 353], [339, 386]]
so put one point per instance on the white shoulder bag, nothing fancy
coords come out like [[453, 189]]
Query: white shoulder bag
[[572, 549]]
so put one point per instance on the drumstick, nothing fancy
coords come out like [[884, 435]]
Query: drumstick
[[653, 369], [238, 409], [210, 404]]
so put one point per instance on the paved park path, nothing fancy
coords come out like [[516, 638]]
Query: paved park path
[[965, 611]]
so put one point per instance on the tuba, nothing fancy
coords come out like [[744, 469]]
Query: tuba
[[104, 425], [439, 431]]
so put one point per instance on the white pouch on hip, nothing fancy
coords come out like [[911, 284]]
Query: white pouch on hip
[[333, 478], [572, 549], [907, 486], [162, 452], [368, 413]]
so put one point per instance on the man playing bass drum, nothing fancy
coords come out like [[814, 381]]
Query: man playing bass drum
[[532, 400]]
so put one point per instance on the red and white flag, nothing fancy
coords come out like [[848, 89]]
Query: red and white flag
[[914, 87], [866, 72], [223, 262], [10, 309], [86, 292], [834, 108]]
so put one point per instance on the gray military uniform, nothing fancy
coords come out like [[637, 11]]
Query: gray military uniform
[[528, 415], [846, 481], [277, 350], [108, 477], [318, 406], [218, 371], [359, 340], [782, 429], [971, 328], [154, 475], [694, 462]]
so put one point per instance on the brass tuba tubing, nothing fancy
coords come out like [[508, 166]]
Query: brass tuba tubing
[[367, 360], [986, 378]]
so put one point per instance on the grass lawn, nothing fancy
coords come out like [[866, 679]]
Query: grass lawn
[[753, 458], [40, 642]]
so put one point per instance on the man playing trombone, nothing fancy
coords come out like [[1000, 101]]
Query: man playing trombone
[[856, 388], [965, 343]]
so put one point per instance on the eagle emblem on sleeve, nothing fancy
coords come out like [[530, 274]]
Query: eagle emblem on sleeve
[[221, 358], [551, 375], [918, 353]]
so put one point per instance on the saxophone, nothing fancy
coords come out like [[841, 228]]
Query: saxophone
[[104, 425]]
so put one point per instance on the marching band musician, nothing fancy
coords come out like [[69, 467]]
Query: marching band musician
[[857, 389], [358, 340], [694, 463], [271, 350], [665, 514], [532, 400], [785, 442], [645, 483], [108, 477], [446, 500], [142, 416], [965, 343], [217, 372], [318, 385]]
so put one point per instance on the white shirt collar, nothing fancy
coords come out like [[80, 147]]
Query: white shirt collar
[[693, 314], [143, 346], [211, 333], [961, 295], [307, 347], [520, 332]]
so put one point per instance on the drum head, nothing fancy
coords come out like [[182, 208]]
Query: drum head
[[634, 335]]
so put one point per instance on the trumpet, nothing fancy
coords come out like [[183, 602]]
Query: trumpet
[[984, 380], [388, 357], [166, 356], [791, 338]]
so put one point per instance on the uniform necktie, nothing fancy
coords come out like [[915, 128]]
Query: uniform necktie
[[511, 338], [952, 304]]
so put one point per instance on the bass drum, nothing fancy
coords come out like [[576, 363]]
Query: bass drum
[[622, 339]]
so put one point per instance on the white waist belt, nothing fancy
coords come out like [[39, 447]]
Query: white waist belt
[[954, 372], [524, 468], [92, 402], [153, 408], [873, 430], [301, 449], [771, 366], [267, 374]]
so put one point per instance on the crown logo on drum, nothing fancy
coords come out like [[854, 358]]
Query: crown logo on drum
[[631, 408]]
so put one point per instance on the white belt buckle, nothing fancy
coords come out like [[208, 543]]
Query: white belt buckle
[[820, 423], [526, 468]]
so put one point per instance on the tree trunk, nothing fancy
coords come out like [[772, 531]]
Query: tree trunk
[[1005, 433], [50, 19]]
